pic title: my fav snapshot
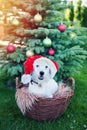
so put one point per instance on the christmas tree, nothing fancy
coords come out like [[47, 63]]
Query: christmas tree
[[37, 27]]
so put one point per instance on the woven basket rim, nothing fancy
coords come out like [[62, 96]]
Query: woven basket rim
[[20, 85]]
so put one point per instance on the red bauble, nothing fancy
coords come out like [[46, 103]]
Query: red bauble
[[10, 49], [51, 52], [62, 28]]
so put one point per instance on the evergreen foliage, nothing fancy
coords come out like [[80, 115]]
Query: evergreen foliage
[[29, 35], [78, 13], [78, 10], [84, 17], [71, 12]]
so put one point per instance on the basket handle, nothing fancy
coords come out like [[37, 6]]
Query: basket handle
[[18, 84], [73, 82]]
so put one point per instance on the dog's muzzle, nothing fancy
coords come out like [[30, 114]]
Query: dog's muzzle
[[41, 77]]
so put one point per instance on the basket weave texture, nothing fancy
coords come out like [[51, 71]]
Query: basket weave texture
[[47, 108]]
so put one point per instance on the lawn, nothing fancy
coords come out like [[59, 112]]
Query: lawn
[[75, 117]]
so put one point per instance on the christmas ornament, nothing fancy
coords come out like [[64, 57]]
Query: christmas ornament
[[47, 42], [37, 18], [15, 22], [62, 28], [10, 48], [29, 53], [51, 52]]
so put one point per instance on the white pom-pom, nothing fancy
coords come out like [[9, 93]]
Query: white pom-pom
[[26, 78]]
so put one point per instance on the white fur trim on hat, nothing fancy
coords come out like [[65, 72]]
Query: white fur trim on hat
[[26, 78]]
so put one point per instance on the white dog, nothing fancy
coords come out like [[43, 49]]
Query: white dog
[[41, 82]]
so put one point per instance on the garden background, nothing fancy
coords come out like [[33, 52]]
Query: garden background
[[75, 117]]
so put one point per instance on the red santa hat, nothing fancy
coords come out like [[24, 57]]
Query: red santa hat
[[28, 67]]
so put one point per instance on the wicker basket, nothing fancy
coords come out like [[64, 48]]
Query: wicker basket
[[48, 108]]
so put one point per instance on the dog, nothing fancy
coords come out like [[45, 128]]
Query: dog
[[41, 82]]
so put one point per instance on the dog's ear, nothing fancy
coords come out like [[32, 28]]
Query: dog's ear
[[50, 72], [26, 78]]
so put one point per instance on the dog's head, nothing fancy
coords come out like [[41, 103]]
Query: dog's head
[[40, 68], [44, 69]]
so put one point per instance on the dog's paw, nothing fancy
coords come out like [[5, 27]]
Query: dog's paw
[[48, 96], [26, 78]]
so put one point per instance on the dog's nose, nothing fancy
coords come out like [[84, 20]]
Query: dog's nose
[[41, 73]]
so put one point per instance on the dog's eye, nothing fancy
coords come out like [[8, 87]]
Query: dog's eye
[[46, 66], [37, 65]]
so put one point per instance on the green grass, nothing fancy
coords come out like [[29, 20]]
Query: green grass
[[75, 117]]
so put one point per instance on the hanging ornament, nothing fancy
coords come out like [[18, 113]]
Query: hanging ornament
[[47, 42], [62, 27], [15, 22], [29, 53], [10, 48], [37, 18], [51, 52]]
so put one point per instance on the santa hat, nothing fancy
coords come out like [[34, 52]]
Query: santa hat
[[28, 65]]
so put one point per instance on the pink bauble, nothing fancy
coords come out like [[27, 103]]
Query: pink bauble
[[10, 48], [51, 52], [62, 28]]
